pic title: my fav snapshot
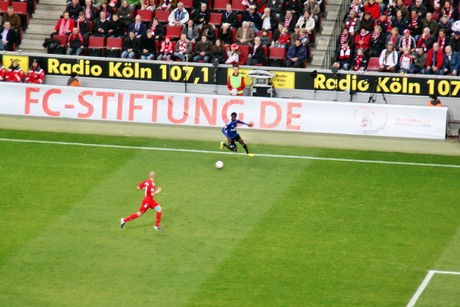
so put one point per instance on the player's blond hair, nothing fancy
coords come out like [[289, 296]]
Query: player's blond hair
[[152, 174]]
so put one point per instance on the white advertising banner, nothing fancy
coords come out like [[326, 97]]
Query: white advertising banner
[[214, 111]]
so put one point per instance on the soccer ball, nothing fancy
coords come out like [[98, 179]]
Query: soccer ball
[[219, 164]]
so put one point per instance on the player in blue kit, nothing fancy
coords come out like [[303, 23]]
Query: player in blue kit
[[229, 130]]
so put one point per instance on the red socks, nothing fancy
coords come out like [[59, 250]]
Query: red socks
[[157, 222], [131, 217]]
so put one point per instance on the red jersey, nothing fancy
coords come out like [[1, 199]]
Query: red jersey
[[149, 188], [35, 75]]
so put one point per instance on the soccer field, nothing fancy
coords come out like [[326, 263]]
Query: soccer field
[[292, 226]]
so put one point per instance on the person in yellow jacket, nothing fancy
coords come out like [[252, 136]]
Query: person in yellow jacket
[[235, 82]]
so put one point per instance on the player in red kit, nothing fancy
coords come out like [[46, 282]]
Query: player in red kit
[[150, 191]]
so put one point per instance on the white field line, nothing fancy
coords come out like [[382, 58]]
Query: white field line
[[425, 283], [230, 153]]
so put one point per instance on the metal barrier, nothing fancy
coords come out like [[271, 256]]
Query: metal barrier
[[336, 32]]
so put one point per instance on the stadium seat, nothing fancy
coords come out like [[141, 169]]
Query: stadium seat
[[244, 49], [220, 5], [22, 10], [373, 64], [174, 31], [96, 45], [188, 4], [146, 15], [3, 6], [270, 34], [162, 16], [216, 19], [238, 6], [62, 43], [114, 46], [276, 56]]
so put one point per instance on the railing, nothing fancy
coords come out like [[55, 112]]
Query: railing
[[331, 48]]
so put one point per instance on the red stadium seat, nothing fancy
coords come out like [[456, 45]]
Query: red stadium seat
[[96, 45], [220, 5], [174, 31], [269, 33], [238, 6], [162, 16], [114, 46], [373, 64], [20, 7], [244, 49], [62, 44], [276, 56], [188, 4], [216, 19], [4, 6], [146, 15]]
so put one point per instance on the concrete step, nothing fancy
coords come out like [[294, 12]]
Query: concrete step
[[32, 44], [42, 21]]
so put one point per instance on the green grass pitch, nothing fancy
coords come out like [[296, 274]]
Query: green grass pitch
[[263, 231]]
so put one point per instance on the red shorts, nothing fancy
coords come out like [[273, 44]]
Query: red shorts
[[148, 203]]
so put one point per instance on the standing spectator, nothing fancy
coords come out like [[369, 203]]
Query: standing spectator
[[166, 49], [148, 46], [101, 25], [83, 26], [74, 9], [125, 12], [359, 62], [8, 37], [202, 50], [253, 18], [191, 31], [64, 25], [218, 52], [14, 72], [343, 57], [296, 55], [116, 27], [183, 49], [415, 24], [158, 30], [35, 74], [90, 10], [256, 55], [131, 46], [13, 18], [201, 15], [451, 62], [244, 35], [230, 16], [434, 60], [233, 54], [388, 59], [236, 82], [225, 34], [73, 80], [366, 23], [419, 62], [75, 43], [2, 72], [179, 16], [454, 41], [138, 27], [372, 8]]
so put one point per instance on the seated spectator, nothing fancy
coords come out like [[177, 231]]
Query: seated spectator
[[384, 23], [8, 37], [372, 8], [138, 27], [13, 18], [233, 54], [253, 18], [91, 11], [244, 35], [419, 8], [359, 62], [405, 61], [249, 3], [434, 60], [362, 40], [442, 39], [191, 31], [256, 53], [74, 9], [225, 34], [406, 41], [218, 52], [430, 23], [415, 24], [183, 49], [352, 23], [208, 30], [197, 4], [201, 15], [388, 59], [426, 40], [2, 72], [395, 38], [36, 74], [399, 22], [448, 11], [148, 5], [83, 26], [105, 7], [179, 16], [116, 27], [158, 30], [203, 50], [230, 17], [14, 72], [356, 6], [306, 23], [343, 57], [419, 63], [101, 25], [451, 63], [265, 40], [345, 36], [134, 4], [366, 23], [312, 7], [296, 55], [275, 7], [295, 9], [131, 46], [166, 49], [283, 39], [446, 25], [269, 21], [400, 6], [377, 42], [75, 43], [164, 5], [148, 46], [454, 41], [289, 21], [64, 25], [125, 12]]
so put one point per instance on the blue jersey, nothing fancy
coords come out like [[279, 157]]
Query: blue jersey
[[230, 128]]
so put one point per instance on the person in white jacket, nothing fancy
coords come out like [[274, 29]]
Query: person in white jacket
[[306, 23], [179, 16], [388, 59]]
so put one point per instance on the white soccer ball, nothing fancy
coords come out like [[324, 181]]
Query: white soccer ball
[[219, 164]]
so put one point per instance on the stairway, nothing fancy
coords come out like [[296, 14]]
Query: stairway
[[41, 25]]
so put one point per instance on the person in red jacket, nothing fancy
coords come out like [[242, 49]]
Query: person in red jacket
[[373, 8], [362, 40], [35, 74], [434, 60], [2, 72], [14, 73], [64, 25]]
